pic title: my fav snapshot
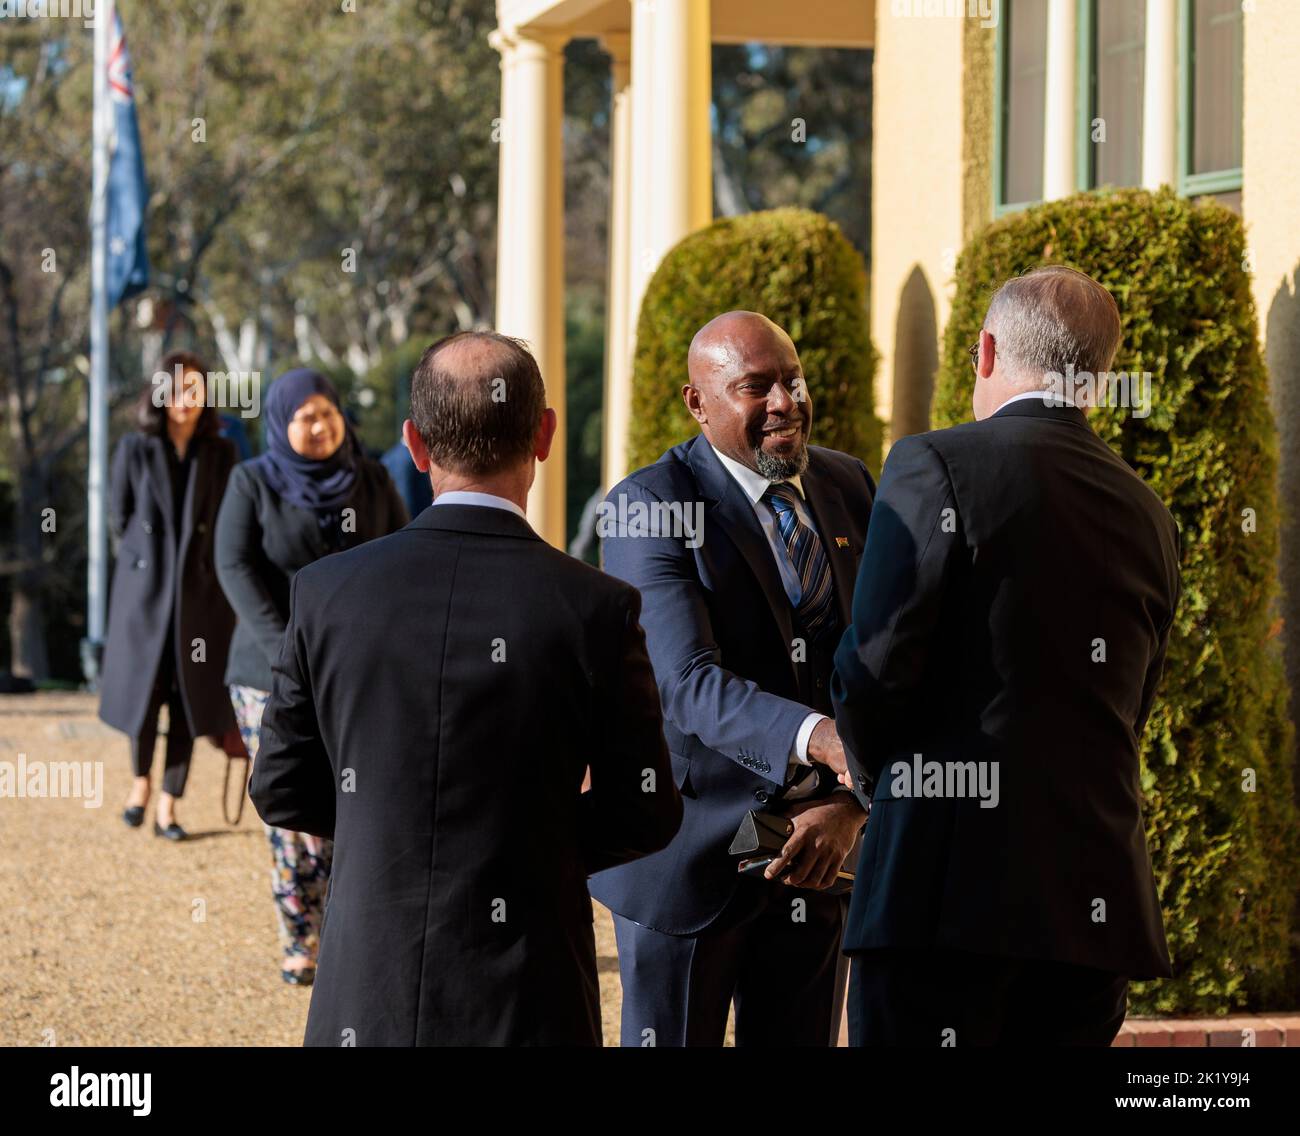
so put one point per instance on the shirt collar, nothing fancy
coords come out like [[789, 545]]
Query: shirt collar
[[1046, 397], [753, 484], [486, 500]]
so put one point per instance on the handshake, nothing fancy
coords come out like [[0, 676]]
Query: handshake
[[825, 747], [825, 829]]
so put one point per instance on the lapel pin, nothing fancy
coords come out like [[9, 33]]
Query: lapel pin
[[841, 542]]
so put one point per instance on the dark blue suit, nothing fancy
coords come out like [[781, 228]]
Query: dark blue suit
[[720, 628]]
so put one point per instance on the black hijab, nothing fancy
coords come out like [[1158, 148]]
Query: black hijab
[[322, 485]]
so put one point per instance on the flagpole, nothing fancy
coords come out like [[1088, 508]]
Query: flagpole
[[97, 478]]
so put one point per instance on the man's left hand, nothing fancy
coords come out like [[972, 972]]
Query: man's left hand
[[824, 832]]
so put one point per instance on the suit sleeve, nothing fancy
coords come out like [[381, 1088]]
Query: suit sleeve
[[121, 497], [633, 807], [700, 697], [914, 544], [1155, 669], [293, 784], [239, 560]]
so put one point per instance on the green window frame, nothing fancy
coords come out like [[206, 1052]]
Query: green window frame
[[1001, 60], [1085, 92], [1209, 181], [1087, 82]]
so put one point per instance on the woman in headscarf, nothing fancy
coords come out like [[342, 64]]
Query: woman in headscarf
[[169, 625], [314, 491]]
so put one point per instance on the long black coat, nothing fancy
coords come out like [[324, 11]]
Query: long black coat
[[437, 698], [159, 583]]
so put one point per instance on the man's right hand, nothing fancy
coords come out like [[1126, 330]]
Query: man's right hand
[[824, 746]]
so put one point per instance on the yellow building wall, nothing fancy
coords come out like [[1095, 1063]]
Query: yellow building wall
[[917, 205], [1271, 209]]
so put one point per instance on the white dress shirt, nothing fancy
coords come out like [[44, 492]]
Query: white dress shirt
[[754, 485], [1042, 396], [486, 500]]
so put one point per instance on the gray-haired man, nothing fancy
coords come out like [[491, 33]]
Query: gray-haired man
[[1009, 629]]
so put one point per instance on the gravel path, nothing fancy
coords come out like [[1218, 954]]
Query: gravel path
[[110, 936]]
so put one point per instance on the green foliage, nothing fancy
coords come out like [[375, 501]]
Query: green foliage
[[796, 268], [1225, 858], [381, 398]]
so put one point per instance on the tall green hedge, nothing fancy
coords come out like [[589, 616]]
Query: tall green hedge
[[1225, 858], [795, 267]]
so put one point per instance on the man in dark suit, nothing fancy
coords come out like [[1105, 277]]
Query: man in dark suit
[[439, 694], [1009, 630], [743, 542]]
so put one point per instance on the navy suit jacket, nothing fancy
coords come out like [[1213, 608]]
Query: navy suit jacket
[[720, 631]]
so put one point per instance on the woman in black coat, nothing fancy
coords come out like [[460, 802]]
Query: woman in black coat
[[169, 623], [314, 491]]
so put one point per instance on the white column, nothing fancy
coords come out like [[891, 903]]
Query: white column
[[618, 340], [640, 257], [530, 236], [681, 128], [672, 161], [504, 46], [1160, 95], [1059, 121]]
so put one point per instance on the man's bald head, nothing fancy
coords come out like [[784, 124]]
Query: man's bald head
[[748, 394], [725, 344], [477, 400]]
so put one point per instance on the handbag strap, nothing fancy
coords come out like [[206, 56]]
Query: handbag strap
[[225, 790]]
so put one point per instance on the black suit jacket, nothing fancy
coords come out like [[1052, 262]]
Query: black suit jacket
[[1012, 611], [439, 694], [735, 689]]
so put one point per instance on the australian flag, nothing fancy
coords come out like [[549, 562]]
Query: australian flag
[[128, 256]]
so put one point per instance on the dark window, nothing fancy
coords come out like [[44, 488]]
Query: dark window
[[1117, 53], [1024, 98], [1216, 68]]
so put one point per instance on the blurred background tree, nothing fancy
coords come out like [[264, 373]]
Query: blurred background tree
[[277, 138], [793, 127]]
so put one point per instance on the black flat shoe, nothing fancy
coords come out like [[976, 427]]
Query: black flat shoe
[[134, 816], [172, 832], [304, 977]]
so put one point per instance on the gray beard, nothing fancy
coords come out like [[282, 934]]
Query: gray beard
[[780, 469]]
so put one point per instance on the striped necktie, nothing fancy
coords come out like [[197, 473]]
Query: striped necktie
[[816, 605]]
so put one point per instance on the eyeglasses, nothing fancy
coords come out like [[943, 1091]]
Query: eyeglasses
[[974, 352]]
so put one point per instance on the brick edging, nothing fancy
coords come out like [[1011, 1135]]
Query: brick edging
[[1240, 1030]]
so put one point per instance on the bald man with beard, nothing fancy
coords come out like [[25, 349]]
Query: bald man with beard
[[744, 543]]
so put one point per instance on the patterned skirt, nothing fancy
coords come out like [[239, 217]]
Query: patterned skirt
[[300, 863]]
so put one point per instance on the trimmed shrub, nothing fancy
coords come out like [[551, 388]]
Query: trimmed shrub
[[1218, 772], [795, 267]]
